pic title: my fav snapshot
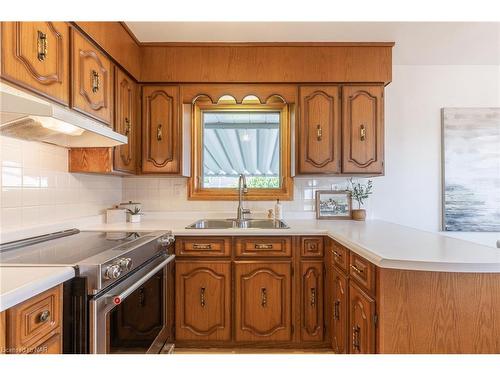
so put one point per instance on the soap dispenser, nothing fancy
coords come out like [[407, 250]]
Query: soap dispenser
[[278, 210]]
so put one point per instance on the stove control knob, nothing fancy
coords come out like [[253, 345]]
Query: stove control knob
[[113, 272], [125, 264], [166, 240]]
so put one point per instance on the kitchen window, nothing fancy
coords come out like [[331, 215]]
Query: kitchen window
[[230, 139]]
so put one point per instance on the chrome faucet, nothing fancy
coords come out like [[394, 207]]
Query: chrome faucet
[[242, 189]]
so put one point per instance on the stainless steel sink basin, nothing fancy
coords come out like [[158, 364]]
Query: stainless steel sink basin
[[233, 223]]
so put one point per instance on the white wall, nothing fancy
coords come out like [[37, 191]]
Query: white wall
[[410, 191], [37, 189]]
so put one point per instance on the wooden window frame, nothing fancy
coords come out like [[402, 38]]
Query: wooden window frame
[[195, 188]]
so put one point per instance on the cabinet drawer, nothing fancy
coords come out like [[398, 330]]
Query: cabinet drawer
[[311, 246], [53, 345], [30, 322], [199, 246], [264, 246], [340, 256], [92, 79], [363, 272]]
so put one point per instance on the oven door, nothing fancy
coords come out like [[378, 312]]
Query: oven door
[[132, 316]]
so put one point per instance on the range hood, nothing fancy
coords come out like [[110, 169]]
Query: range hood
[[28, 117]]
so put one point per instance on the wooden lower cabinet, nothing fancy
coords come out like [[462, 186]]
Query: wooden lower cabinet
[[312, 325], [203, 300], [361, 321], [263, 301], [339, 311]]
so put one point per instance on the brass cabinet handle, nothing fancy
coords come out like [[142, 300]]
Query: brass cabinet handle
[[362, 132], [319, 132], [313, 297], [202, 297], [263, 297], [338, 255], [44, 316], [95, 80], [336, 310], [356, 269], [356, 338], [127, 126], [41, 42], [202, 246], [263, 246], [159, 134]]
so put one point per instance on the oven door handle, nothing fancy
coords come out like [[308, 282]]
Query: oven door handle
[[118, 298]]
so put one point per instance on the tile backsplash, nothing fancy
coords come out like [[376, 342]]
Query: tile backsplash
[[38, 190]]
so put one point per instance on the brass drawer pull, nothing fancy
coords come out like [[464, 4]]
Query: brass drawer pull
[[356, 269], [159, 133], [356, 338], [41, 43], [362, 132], [263, 246], [263, 297], [338, 255], [202, 297], [127, 126], [336, 310], [319, 132], [95, 80], [202, 246], [313, 297], [44, 316]]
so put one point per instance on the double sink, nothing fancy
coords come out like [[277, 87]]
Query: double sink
[[238, 224]]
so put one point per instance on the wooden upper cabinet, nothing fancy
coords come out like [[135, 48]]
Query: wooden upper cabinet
[[363, 129], [161, 130], [361, 321], [312, 301], [339, 311], [124, 157], [92, 80], [319, 130], [35, 55], [263, 301], [203, 301]]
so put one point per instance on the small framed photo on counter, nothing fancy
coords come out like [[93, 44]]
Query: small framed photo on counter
[[333, 204]]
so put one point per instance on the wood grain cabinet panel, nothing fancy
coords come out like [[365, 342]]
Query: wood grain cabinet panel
[[203, 301], [35, 55], [312, 325], [30, 323], [319, 130], [263, 246], [361, 321], [363, 129], [203, 246], [311, 246], [161, 130], [92, 80], [340, 256], [363, 272], [263, 301], [126, 122], [338, 315]]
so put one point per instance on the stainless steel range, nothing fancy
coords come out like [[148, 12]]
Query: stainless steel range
[[118, 301]]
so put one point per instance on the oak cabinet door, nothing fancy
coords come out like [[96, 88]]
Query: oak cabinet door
[[35, 55], [263, 301], [92, 79], [363, 129], [203, 301], [312, 326], [319, 130], [339, 311], [161, 133], [124, 157], [361, 321]]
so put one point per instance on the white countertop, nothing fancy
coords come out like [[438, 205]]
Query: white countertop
[[17, 284], [385, 244]]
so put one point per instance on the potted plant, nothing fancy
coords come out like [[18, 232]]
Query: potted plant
[[134, 215], [360, 192]]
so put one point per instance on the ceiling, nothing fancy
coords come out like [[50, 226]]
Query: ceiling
[[417, 43]]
